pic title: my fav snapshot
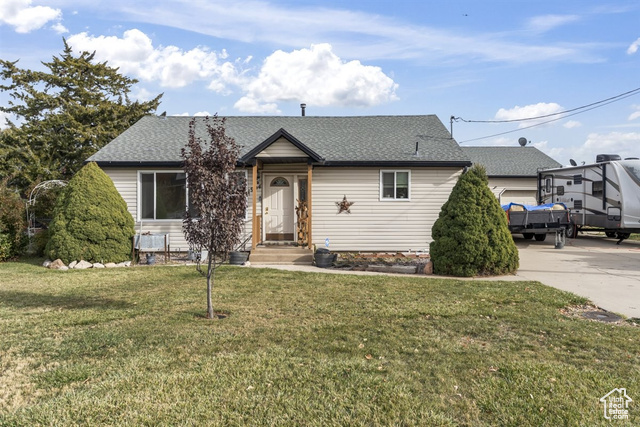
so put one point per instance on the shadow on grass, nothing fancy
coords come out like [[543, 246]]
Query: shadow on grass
[[18, 299]]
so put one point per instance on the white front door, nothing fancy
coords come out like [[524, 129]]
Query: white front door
[[278, 208]]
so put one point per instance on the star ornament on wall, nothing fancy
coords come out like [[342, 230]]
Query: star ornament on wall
[[344, 205]]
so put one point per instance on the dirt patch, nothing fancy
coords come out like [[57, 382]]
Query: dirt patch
[[596, 314], [383, 262]]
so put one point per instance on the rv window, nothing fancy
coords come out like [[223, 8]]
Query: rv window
[[547, 185], [577, 179], [577, 204], [596, 189], [560, 190], [633, 170]]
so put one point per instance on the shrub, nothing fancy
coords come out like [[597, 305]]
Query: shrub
[[91, 221], [12, 223], [471, 236]]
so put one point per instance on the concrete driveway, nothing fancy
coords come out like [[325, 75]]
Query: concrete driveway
[[590, 266]]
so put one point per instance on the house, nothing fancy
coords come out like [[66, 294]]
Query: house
[[512, 171], [393, 172]]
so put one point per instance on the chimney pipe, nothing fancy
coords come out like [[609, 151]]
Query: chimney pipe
[[302, 107]]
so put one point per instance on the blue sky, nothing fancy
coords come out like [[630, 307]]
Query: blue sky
[[475, 60]]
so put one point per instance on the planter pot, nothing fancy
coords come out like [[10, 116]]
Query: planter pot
[[238, 258], [151, 259], [324, 260]]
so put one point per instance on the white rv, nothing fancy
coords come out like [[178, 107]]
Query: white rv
[[604, 195]]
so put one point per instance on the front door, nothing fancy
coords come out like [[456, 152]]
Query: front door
[[278, 208]]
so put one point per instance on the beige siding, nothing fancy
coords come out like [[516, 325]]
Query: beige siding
[[281, 148], [376, 225], [515, 190], [126, 182]]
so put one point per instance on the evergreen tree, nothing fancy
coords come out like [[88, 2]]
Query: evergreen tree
[[471, 236], [64, 114], [91, 221]]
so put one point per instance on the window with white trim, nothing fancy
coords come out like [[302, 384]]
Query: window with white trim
[[163, 195], [395, 184]]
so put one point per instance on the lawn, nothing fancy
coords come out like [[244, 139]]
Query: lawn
[[130, 347]]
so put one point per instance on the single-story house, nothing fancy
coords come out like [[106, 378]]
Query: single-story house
[[373, 183], [512, 171]]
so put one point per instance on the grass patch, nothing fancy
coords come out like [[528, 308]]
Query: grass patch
[[130, 347]]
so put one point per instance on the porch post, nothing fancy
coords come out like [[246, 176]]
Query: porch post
[[254, 217], [309, 200]]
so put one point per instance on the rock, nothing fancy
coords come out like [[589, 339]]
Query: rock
[[247, 264], [46, 263], [55, 265], [72, 264], [428, 268], [63, 268], [98, 265], [110, 265], [127, 263], [83, 265], [120, 265]]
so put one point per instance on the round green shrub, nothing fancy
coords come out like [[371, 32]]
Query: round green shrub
[[12, 223], [91, 221], [471, 236]]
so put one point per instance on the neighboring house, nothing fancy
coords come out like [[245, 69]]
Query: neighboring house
[[395, 173], [512, 171]]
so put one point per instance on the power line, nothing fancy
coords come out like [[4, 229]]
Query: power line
[[563, 114]]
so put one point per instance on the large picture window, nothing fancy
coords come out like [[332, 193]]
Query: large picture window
[[163, 195], [395, 185]]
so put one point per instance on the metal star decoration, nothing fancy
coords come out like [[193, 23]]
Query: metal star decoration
[[344, 205]]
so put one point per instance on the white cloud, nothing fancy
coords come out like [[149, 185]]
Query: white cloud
[[3, 119], [624, 144], [633, 48], [319, 77], [556, 153], [135, 55], [202, 113], [250, 105], [26, 18], [548, 22], [635, 114], [59, 28], [572, 124], [529, 111]]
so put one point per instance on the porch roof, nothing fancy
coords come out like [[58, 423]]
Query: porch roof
[[357, 140]]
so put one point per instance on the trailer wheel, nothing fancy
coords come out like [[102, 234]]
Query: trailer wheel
[[622, 236], [572, 231], [540, 237], [610, 234], [527, 236]]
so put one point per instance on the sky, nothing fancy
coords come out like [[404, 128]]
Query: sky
[[476, 61]]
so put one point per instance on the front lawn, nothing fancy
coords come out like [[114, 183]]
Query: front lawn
[[130, 347]]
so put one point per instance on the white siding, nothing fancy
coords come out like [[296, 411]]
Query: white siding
[[126, 182], [281, 148], [375, 225], [515, 190]]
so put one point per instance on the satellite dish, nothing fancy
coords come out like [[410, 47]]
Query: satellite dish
[[522, 141], [573, 162]]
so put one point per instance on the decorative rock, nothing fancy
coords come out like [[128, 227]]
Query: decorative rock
[[46, 263], [72, 264], [63, 268], [98, 265], [247, 264], [83, 265], [55, 265], [110, 265], [428, 268], [127, 263], [120, 265]]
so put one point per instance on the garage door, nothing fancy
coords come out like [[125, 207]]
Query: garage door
[[525, 197]]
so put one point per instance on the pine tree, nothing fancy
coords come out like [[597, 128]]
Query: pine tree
[[91, 221], [64, 114], [471, 236]]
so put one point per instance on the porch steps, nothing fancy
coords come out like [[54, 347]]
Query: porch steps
[[281, 254]]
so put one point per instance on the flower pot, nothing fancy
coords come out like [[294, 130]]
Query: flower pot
[[238, 258], [324, 260]]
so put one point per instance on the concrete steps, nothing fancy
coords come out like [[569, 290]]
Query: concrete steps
[[281, 255]]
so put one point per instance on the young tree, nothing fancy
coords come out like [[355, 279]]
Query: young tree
[[471, 236], [64, 114], [217, 197]]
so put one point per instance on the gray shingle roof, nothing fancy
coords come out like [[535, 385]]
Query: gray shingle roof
[[510, 161], [337, 140]]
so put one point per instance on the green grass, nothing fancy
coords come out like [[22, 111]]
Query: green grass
[[130, 347]]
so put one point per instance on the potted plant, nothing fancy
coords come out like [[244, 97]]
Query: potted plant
[[240, 255], [323, 258]]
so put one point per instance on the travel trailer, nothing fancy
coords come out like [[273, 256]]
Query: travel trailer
[[603, 196]]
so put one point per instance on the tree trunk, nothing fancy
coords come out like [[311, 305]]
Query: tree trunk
[[210, 272]]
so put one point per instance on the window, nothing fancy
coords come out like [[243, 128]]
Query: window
[[302, 189], [394, 185], [597, 189], [577, 179], [560, 190], [279, 182], [162, 195]]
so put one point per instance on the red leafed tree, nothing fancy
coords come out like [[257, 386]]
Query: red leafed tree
[[217, 197]]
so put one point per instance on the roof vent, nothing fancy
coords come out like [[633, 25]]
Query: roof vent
[[607, 157], [303, 107]]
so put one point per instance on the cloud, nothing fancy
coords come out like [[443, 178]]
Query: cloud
[[633, 48], [316, 76], [635, 114], [624, 144], [529, 111], [544, 23], [135, 55], [572, 124], [59, 28], [26, 18]]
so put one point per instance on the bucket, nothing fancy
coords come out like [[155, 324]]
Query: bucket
[[238, 258]]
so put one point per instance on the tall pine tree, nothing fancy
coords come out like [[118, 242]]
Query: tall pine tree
[[64, 115]]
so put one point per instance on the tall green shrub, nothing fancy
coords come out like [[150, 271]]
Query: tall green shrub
[[12, 222], [471, 236], [91, 221]]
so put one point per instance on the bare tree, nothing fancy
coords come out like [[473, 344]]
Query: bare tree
[[217, 197]]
